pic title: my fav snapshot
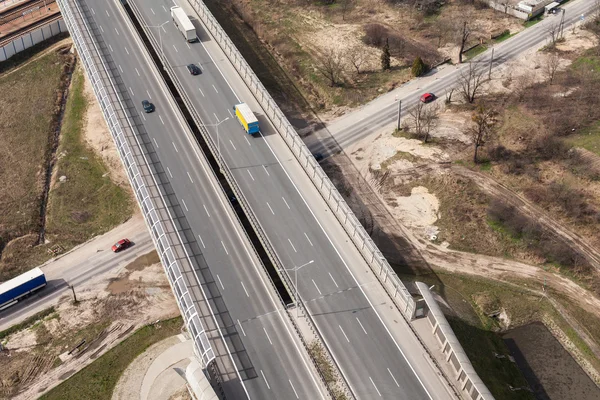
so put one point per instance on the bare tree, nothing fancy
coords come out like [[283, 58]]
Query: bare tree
[[464, 37], [415, 117], [430, 119], [331, 66], [553, 31], [357, 56], [551, 66], [593, 25], [471, 80], [346, 6], [482, 127], [449, 93]]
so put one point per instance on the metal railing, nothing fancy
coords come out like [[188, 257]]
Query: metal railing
[[361, 239], [111, 104]]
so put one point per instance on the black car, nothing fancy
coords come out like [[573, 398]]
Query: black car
[[194, 69], [318, 156], [148, 107]]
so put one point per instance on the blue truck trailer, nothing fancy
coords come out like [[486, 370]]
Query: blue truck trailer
[[23, 285]]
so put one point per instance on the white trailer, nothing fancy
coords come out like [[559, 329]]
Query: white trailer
[[183, 23]]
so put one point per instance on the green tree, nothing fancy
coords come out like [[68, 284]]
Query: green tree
[[418, 67], [386, 56]]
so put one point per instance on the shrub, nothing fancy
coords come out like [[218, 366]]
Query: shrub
[[418, 67]]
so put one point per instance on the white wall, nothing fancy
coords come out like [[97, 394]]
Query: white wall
[[31, 38]]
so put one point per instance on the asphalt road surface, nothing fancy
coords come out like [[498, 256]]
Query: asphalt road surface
[[267, 351], [296, 221], [381, 112]]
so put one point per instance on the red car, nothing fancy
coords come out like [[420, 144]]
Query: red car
[[121, 245], [427, 97]]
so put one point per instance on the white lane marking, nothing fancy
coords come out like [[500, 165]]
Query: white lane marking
[[101, 28], [163, 122], [392, 375], [242, 329], [221, 72], [155, 142], [127, 51], [107, 13], [217, 118], [318, 290], [152, 11], [175, 49], [149, 96], [215, 89], [294, 389], [247, 141], [288, 206], [230, 114], [111, 49], [361, 325], [265, 168], [263, 374], [188, 45], [305, 235], [138, 72], [250, 174], [117, 32], [201, 241], [245, 289], [164, 30], [225, 248], [378, 392], [267, 336], [120, 69], [189, 176], [169, 171], [344, 333], [344, 262], [131, 90], [93, 12], [221, 283], [334, 282], [164, 8], [268, 205], [206, 209], [291, 244], [175, 147], [183, 201], [232, 145], [201, 92], [143, 116]]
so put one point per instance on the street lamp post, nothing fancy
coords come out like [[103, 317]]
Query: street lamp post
[[219, 142], [295, 269], [160, 27]]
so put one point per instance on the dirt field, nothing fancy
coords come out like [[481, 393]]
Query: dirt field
[[37, 357], [57, 190], [549, 368]]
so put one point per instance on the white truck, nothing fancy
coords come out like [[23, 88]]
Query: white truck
[[183, 23]]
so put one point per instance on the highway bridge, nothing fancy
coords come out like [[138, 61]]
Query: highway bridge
[[244, 333]]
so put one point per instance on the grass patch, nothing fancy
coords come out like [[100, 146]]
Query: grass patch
[[88, 203], [533, 21], [401, 155], [504, 36], [28, 322], [97, 380], [469, 54]]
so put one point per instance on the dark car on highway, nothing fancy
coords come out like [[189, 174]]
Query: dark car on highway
[[121, 245], [194, 69], [148, 107]]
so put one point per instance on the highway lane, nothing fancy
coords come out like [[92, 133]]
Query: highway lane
[[270, 364], [381, 112], [368, 354], [90, 262]]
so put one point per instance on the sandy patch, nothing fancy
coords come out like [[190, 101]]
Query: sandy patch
[[419, 210], [98, 137]]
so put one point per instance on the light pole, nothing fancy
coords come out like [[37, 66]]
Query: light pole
[[160, 27], [218, 141], [295, 269]]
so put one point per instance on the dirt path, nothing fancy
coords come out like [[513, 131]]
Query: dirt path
[[499, 191]]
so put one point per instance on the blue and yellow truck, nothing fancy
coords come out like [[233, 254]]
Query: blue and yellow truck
[[247, 118]]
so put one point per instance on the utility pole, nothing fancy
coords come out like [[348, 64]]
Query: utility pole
[[562, 23], [491, 61], [74, 295], [399, 112]]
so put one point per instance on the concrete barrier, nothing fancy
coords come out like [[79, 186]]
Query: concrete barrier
[[32, 38]]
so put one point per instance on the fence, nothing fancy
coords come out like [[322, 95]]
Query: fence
[[114, 111], [32, 38], [335, 201], [507, 8], [468, 380]]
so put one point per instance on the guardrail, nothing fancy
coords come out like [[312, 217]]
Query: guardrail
[[243, 202], [361, 239], [110, 105], [468, 381]]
